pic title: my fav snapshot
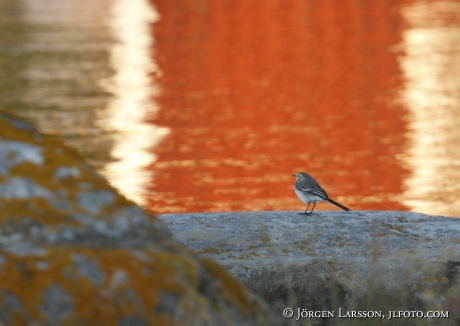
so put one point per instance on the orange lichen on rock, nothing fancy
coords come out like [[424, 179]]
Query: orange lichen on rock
[[50, 184], [75, 252], [114, 281]]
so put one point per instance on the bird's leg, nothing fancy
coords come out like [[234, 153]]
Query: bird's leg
[[311, 212], [305, 213], [306, 210]]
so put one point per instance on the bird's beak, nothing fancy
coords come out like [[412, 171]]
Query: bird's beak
[[294, 175]]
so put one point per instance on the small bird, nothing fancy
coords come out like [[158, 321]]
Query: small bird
[[309, 191]]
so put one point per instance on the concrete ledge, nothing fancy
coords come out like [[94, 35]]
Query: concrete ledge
[[242, 241], [288, 257]]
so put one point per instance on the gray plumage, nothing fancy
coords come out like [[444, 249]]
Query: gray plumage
[[309, 192]]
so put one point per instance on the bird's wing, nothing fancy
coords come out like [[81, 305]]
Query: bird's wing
[[317, 191]]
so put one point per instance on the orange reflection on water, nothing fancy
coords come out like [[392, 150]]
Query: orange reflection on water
[[254, 91]]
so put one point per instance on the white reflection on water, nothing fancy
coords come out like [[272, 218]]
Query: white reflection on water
[[431, 66], [134, 90]]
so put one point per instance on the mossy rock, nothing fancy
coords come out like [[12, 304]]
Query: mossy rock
[[73, 251]]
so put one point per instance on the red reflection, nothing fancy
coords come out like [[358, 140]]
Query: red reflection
[[254, 91]]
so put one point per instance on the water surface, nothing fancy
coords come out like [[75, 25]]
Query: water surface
[[212, 105]]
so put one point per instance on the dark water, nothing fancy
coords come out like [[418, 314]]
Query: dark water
[[212, 105]]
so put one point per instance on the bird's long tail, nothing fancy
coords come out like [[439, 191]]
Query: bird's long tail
[[338, 205]]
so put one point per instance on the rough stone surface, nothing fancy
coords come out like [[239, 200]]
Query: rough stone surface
[[288, 257], [244, 241], [75, 252]]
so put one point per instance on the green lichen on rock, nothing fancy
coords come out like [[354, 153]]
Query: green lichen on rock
[[75, 252]]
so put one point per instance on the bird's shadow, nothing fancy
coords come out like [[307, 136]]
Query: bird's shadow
[[308, 214]]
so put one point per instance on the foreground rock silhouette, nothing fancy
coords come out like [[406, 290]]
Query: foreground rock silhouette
[[75, 252]]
